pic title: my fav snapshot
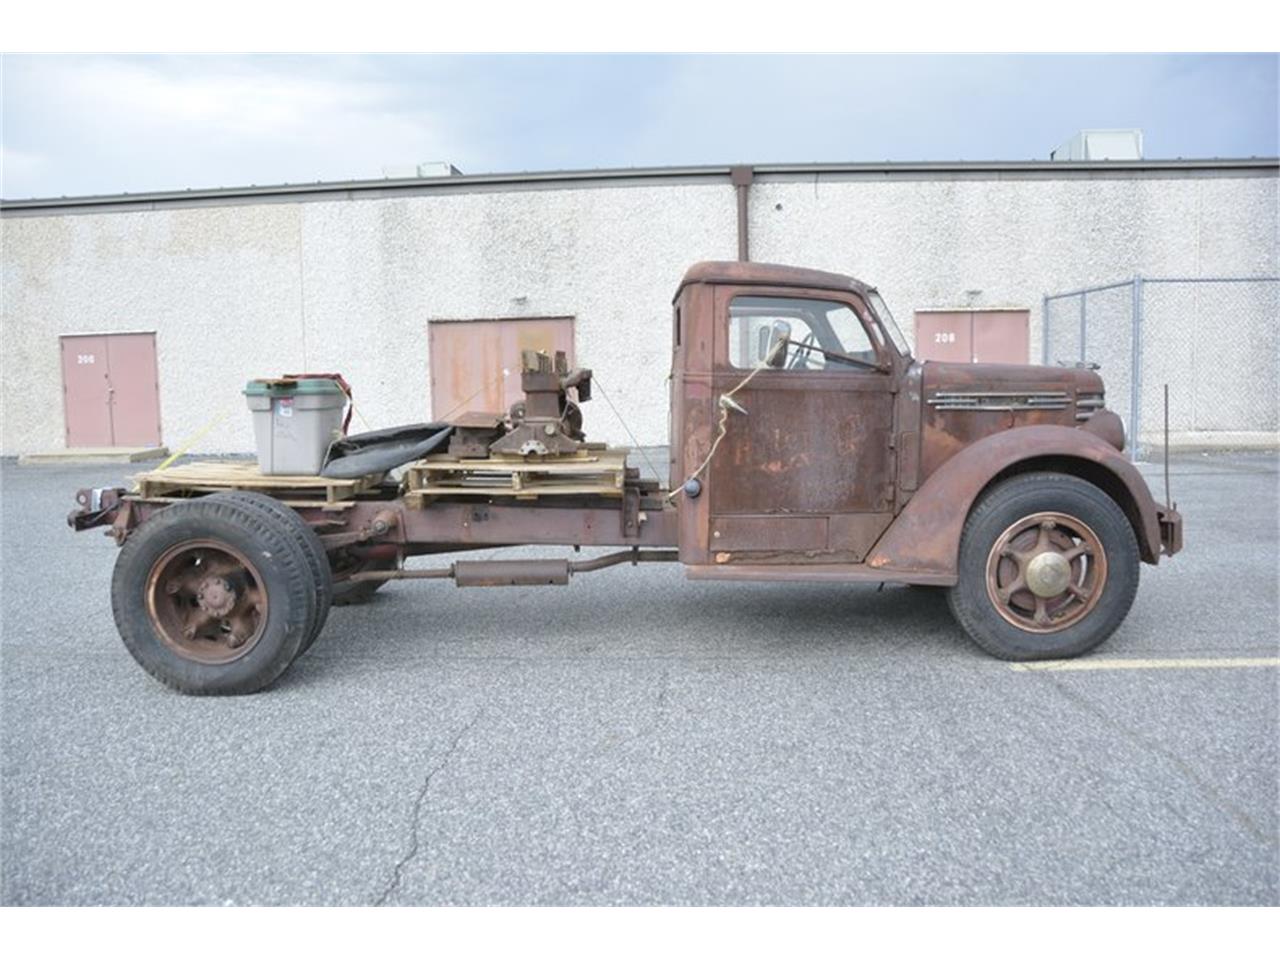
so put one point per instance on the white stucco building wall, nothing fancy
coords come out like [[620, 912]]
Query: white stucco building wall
[[239, 285], [930, 244]]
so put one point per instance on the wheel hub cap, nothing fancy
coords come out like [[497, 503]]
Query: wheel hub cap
[[206, 601], [1048, 574], [216, 596]]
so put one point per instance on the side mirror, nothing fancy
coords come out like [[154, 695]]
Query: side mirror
[[773, 350]]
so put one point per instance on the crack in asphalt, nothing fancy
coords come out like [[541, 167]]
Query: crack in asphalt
[[661, 701], [1222, 802], [1053, 748], [664, 690], [415, 818]]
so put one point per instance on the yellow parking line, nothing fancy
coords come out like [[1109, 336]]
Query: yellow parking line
[[1103, 663]]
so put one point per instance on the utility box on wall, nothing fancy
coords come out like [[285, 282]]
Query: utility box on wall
[[973, 336]]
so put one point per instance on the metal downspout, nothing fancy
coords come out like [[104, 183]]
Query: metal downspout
[[741, 178]]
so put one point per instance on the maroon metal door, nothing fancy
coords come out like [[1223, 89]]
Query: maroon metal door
[[945, 335], [111, 390], [86, 391], [973, 336], [1001, 336], [468, 358]]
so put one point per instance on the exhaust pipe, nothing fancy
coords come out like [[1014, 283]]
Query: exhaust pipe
[[519, 573], [510, 573]]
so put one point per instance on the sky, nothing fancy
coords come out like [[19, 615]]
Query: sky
[[77, 125]]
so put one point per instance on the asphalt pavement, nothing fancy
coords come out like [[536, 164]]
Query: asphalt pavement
[[635, 738]]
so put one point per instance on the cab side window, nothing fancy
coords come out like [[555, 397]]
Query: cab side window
[[792, 333]]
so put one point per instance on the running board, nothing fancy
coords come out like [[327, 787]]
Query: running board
[[819, 573]]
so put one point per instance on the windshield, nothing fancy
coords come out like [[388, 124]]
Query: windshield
[[882, 311]]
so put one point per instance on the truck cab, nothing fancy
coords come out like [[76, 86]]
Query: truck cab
[[807, 474], [808, 444]]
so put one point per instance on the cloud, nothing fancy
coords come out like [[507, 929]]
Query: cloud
[[112, 124], [970, 107], [85, 124], [18, 165]]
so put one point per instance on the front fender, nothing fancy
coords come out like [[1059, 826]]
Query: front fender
[[925, 536]]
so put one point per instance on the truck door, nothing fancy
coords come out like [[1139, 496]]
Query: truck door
[[805, 474]]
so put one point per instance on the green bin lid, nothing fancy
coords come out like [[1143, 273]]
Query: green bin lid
[[280, 387]]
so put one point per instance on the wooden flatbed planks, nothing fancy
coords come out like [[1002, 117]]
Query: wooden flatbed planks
[[214, 475], [591, 472]]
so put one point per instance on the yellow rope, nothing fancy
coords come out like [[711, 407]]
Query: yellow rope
[[722, 424], [191, 440], [356, 411], [595, 380]]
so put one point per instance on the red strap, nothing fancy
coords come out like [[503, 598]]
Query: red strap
[[337, 378]]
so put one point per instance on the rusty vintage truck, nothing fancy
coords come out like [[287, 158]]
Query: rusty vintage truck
[[805, 444]]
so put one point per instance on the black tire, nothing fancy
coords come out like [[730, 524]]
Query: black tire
[[975, 599], [281, 574], [317, 559], [350, 593]]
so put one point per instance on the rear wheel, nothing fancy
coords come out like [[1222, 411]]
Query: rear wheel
[[307, 538], [1048, 568], [213, 597]]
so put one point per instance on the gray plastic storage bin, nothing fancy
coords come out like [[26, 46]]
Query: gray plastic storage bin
[[294, 421]]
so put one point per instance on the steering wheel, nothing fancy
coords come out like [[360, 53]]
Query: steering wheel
[[802, 355]]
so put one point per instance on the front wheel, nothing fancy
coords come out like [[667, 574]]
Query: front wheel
[[1048, 568]]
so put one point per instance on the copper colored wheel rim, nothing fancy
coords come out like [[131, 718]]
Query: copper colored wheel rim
[[206, 601], [1046, 572]]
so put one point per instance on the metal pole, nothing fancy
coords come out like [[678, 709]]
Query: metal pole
[[1135, 372], [1168, 501], [1044, 328]]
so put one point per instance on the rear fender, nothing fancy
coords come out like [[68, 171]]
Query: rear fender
[[925, 537]]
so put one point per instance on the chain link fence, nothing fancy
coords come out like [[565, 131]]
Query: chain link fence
[[1215, 341]]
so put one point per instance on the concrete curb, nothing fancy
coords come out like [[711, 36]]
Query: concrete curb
[[93, 455]]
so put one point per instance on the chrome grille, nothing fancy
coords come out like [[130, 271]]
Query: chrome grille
[[1000, 400], [1087, 404]]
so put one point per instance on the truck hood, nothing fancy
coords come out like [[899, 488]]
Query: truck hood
[[963, 402], [1010, 378]]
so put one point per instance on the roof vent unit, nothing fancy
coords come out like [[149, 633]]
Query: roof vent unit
[[1101, 145], [418, 171]]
